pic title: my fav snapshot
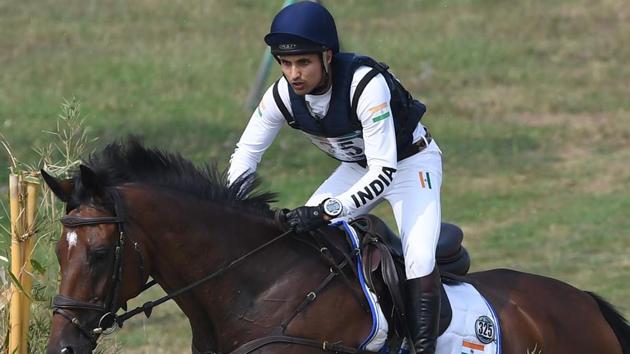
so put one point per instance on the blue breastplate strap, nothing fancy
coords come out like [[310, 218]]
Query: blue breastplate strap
[[353, 239]]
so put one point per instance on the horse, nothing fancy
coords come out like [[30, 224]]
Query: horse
[[245, 283]]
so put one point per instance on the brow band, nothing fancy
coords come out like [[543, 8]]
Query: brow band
[[74, 221]]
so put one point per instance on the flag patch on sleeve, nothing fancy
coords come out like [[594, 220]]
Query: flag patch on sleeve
[[260, 109], [379, 112]]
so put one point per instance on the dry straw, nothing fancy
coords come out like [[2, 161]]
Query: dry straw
[[67, 142]]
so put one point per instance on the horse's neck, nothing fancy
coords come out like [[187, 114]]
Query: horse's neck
[[189, 240]]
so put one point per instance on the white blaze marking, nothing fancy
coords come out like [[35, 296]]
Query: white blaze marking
[[72, 238]]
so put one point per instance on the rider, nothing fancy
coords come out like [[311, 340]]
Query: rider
[[385, 152]]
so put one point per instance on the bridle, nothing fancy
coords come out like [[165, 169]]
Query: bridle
[[61, 303]]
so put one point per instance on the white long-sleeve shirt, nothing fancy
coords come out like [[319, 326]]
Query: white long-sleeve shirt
[[376, 142]]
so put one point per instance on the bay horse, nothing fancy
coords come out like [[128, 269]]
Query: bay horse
[[135, 213]]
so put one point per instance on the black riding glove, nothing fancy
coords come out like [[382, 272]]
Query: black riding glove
[[305, 218]]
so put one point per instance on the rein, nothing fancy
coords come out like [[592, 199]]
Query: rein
[[148, 306]]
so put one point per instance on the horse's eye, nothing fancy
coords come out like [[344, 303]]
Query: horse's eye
[[99, 255]]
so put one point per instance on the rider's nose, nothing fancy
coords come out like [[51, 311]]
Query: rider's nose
[[295, 73], [67, 350]]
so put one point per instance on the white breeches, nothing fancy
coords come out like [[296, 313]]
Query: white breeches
[[414, 196]]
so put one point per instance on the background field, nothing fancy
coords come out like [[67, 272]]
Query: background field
[[528, 101]]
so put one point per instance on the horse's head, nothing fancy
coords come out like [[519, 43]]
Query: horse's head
[[101, 267]]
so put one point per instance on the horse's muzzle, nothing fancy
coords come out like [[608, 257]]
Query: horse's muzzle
[[68, 349]]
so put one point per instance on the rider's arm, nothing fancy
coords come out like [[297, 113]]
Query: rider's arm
[[262, 129], [379, 136]]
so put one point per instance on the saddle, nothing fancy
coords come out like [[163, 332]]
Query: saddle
[[382, 249]]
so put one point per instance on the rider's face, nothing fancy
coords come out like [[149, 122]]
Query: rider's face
[[303, 71]]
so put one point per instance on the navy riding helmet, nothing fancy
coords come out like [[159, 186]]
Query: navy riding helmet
[[303, 27]]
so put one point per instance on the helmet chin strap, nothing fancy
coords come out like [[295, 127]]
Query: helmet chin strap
[[327, 82], [325, 63]]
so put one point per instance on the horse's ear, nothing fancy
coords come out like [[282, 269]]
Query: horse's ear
[[90, 180], [61, 188]]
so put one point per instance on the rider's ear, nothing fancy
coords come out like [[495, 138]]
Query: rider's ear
[[328, 56], [90, 180], [61, 188]]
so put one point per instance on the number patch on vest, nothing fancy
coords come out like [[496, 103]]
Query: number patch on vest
[[347, 148], [484, 328]]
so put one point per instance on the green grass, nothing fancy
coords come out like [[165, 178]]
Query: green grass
[[528, 101]]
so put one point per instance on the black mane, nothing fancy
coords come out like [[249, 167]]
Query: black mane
[[124, 162]]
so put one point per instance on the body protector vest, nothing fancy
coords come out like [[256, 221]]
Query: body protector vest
[[339, 132]]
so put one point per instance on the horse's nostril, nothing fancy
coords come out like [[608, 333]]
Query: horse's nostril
[[67, 350]]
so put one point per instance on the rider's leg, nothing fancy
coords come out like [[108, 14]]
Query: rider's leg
[[415, 200], [423, 311], [344, 177]]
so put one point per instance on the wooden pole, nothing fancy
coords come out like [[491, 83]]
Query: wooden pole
[[26, 277], [15, 310]]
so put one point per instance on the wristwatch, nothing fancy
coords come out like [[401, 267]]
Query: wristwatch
[[332, 207]]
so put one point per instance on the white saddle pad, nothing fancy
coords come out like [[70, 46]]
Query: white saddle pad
[[474, 328]]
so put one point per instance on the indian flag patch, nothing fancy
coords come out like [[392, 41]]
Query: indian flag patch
[[379, 112], [471, 348], [425, 179], [260, 109]]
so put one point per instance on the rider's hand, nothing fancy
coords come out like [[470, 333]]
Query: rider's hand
[[305, 218]]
